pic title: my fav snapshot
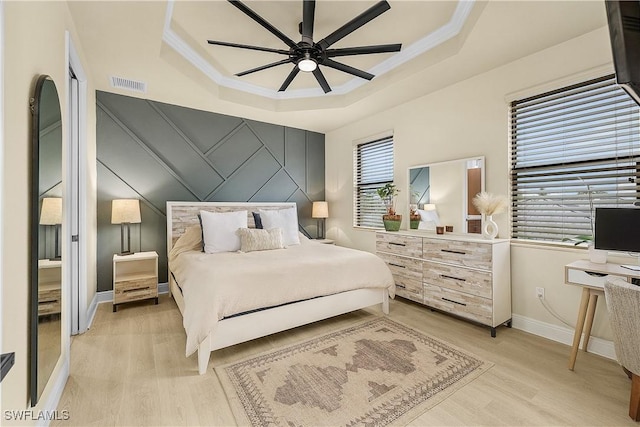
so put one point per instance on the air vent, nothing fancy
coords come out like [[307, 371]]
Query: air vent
[[128, 84]]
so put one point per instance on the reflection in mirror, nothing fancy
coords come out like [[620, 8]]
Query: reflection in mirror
[[442, 194], [46, 220]]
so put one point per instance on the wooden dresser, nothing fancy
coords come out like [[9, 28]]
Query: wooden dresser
[[464, 275]]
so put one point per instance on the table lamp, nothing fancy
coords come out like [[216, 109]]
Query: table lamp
[[125, 212], [320, 211], [51, 214]]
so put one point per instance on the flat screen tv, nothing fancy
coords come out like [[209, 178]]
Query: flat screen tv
[[618, 229], [623, 18]]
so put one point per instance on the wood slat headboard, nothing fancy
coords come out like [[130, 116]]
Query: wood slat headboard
[[181, 215]]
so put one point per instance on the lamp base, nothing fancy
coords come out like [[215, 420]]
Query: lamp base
[[320, 229], [123, 252]]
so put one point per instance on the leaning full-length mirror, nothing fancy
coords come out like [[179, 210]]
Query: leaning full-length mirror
[[442, 194], [46, 223]]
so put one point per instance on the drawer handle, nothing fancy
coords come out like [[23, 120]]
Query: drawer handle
[[47, 301], [401, 286], [444, 276], [134, 290], [397, 244], [398, 265], [594, 274], [455, 302], [453, 252]]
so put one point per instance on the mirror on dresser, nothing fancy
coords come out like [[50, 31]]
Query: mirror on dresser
[[46, 224], [442, 194]]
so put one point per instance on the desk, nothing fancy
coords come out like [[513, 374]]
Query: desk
[[591, 277]]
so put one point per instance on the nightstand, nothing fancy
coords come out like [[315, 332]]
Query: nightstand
[[49, 286], [135, 277], [325, 241]]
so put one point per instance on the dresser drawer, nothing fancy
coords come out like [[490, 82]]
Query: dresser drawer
[[592, 279], [468, 254], [457, 278], [459, 303], [409, 288], [403, 267], [46, 307], [399, 244], [133, 290]]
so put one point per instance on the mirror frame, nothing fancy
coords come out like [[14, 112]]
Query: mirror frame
[[466, 218], [35, 105]]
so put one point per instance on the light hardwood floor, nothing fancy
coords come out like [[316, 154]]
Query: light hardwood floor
[[130, 369]]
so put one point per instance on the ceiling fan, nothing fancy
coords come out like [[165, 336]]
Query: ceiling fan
[[307, 55]]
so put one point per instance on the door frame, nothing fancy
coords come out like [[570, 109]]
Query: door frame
[[78, 323]]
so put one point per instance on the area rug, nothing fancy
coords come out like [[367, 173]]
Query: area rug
[[376, 373]]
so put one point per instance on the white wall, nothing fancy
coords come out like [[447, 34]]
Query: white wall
[[34, 45], [470, 119]]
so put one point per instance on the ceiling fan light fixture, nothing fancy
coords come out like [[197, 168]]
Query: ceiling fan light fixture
[[307, 65], [308, 55]]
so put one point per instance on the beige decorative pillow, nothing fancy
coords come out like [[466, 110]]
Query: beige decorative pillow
[[255, 239]]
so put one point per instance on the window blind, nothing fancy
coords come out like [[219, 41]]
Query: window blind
[[373, 168], [572, 150]]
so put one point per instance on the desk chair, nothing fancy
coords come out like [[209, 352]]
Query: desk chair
[[623, 304]]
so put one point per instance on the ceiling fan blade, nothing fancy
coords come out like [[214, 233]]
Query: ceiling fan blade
[[273, 30], [264, 67], [323, 82], [308, 12], [292, 75], [364, 50], [357, 22], [347, 69], [246, 46]]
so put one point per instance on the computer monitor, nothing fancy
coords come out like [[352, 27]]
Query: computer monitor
[[618, 229]]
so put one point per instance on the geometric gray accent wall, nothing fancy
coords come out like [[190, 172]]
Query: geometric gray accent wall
[[158, 152]]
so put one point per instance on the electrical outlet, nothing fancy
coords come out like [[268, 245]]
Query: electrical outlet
[[540, 293]]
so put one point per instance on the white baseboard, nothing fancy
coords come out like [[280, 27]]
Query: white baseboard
[[91, 311], [51, 405], [562, 335]]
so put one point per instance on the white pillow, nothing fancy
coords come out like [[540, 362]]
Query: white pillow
[[219, 230], [287, 219], [258, 239], [428, 220]]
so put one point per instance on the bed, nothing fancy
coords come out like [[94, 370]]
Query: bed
[[221, 296]]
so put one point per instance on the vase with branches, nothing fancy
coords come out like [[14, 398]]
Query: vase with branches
[[595, 255], [488, 205]]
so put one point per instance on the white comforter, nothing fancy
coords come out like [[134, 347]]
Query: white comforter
[[215, 286]]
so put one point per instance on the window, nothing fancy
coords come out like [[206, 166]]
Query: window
[[372, 168], [572, 150]]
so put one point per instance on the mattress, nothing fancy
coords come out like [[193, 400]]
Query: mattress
[[217, 286]]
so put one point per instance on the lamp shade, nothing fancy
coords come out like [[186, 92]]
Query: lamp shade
[[320, 210], [51, 213], [429, 207], [125, 211]]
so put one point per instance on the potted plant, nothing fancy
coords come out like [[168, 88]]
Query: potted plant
[[388, 194]]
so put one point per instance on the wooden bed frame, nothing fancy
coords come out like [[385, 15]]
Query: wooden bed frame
[[235, 330]]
